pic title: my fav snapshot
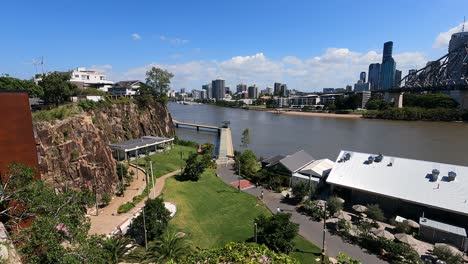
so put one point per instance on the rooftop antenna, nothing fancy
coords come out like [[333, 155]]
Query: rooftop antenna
[[42, 64]]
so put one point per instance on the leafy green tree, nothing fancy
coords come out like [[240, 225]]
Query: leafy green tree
[[334, 205], [436, 100], [157, 83], [249, 164], [277, 232], [342, 258], [375, 104], [193, 168], [374, 212], [300, 190], [168, 247], [240, 253], [117, 247], [14, 84], [57, 87], [245, 138], [156, 220]]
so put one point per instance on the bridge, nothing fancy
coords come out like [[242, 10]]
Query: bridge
[[225, 149]]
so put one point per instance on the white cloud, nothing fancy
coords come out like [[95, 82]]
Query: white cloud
[[136, 36], [336, 67], [443, 38], [173, 41]]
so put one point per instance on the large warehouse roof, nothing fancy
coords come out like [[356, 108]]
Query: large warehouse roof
[[404, 179]]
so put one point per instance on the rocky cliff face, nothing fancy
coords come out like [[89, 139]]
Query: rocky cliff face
[[75, 153]]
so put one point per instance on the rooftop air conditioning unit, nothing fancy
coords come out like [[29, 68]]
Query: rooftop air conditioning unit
[[347, 156], [452, 175], [435, 174], [370, 159], [378, 158]]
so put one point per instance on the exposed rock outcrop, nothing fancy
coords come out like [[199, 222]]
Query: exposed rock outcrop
[[75, 153]]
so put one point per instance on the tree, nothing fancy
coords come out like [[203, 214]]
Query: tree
[[193, 168], [334, 205], [234, 252], [249, 164], [342, 258], [157, 83], [245, 138], [300, 190], [374, 212], [375, 104], [276, 232], [57, 87], [156, 220], [436, 100], [168, 247], [117, 247], [14, 84]]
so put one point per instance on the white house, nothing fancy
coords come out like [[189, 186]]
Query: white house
[[125, 88], [90, 79]]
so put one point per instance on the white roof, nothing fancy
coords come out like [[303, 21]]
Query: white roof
[[442, 226], [318, 167], [406, 179]]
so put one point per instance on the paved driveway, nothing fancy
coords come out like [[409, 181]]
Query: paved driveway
[[310, 230]]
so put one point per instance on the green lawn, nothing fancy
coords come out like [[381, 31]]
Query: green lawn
[[212, 213], [168, 161]]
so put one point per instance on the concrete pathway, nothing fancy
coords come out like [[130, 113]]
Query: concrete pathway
[[108, 219], [310, 230]]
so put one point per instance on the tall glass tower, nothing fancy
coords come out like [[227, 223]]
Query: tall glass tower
[[388, 67], [374, 76]]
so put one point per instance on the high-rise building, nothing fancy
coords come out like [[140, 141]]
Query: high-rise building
[[227, 90], [349, 88], [362, 77], [219, 90], [284, 90], [253, 91], [397, 78], [328, 90], [196, 94], [455, 63], [388, 68], [209, 90], [277, 88], [374, 76], [241, 87], [269, 91], [204, 95], [182, 90]]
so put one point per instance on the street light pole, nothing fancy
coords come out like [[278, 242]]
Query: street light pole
[[255, 231], [240, 177], [152, 179], [324, 231]]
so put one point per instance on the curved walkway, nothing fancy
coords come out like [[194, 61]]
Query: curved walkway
[[108, 219], [310, 230]]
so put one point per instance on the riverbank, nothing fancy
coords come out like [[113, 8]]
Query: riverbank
[[315, 114]]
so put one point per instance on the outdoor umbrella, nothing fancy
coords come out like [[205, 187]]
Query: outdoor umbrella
[[320, 203], [454, 250], [407, 239], [359, 208], [384, 234], [342, 215], [412, 223], [339, 199]]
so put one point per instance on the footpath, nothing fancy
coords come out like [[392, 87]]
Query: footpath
[[310, 230], [108, 220]]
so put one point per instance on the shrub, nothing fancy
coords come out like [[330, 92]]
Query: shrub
[[277, 232], [334, 205], [106, 198], [300, 190], [444, 253], [87, 105], [125, 207], [74, 155], [193, 169], [401, 227], [374, 212]]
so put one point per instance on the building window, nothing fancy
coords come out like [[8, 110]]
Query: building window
[[102, 78], [77, 76]]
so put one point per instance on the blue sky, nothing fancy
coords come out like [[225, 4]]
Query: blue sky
[[307, 44]]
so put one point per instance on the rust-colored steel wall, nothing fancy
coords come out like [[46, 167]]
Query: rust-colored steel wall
[[17, 143]]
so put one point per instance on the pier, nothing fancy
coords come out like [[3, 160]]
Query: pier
[[225, 149]]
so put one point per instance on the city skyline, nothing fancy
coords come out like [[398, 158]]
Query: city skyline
[[308, 59]]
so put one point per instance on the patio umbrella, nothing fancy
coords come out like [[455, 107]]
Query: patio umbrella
[[342, 215], [359, 208], [320, 203], [384, 234], [412, 223], [340, 200], [407, 239], [454, 250]]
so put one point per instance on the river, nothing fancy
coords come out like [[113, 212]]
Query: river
[[324, 137]]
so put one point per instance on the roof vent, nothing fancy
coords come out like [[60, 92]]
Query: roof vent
[[370, 159], [347, 156], [435, 174], [378, 158], [452, 175]]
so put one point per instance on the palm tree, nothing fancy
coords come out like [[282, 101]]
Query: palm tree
[[170, 246], [117, 247]]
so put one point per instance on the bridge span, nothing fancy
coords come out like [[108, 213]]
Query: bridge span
[[225, 147]]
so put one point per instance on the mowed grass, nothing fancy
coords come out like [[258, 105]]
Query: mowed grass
[[213, 213], [168, 161]]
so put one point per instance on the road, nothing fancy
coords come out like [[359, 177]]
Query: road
[[310, 230]]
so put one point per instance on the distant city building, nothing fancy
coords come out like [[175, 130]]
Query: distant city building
[[362, 77], [364, 97], [388, 68], [349, 88], [219, 89], [284, 90], [277, 88], [204, 95], [455, 64], [269, 91], [209, 90], [397, 78], [374, 76], [340, 90], [241, 87], [328, 90], [171, 93], [90, 79], [182, 90], [253, 92], [360, 86], [196, 94], [227, 90]]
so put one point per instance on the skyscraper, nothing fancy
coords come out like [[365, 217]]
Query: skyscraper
[[397, 78], [362, 77], [241, 87], [253, 91], [209, 91], [387, 70], [218, 89], [284, 89], [458, 41], [374, 76], [277, 88]]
